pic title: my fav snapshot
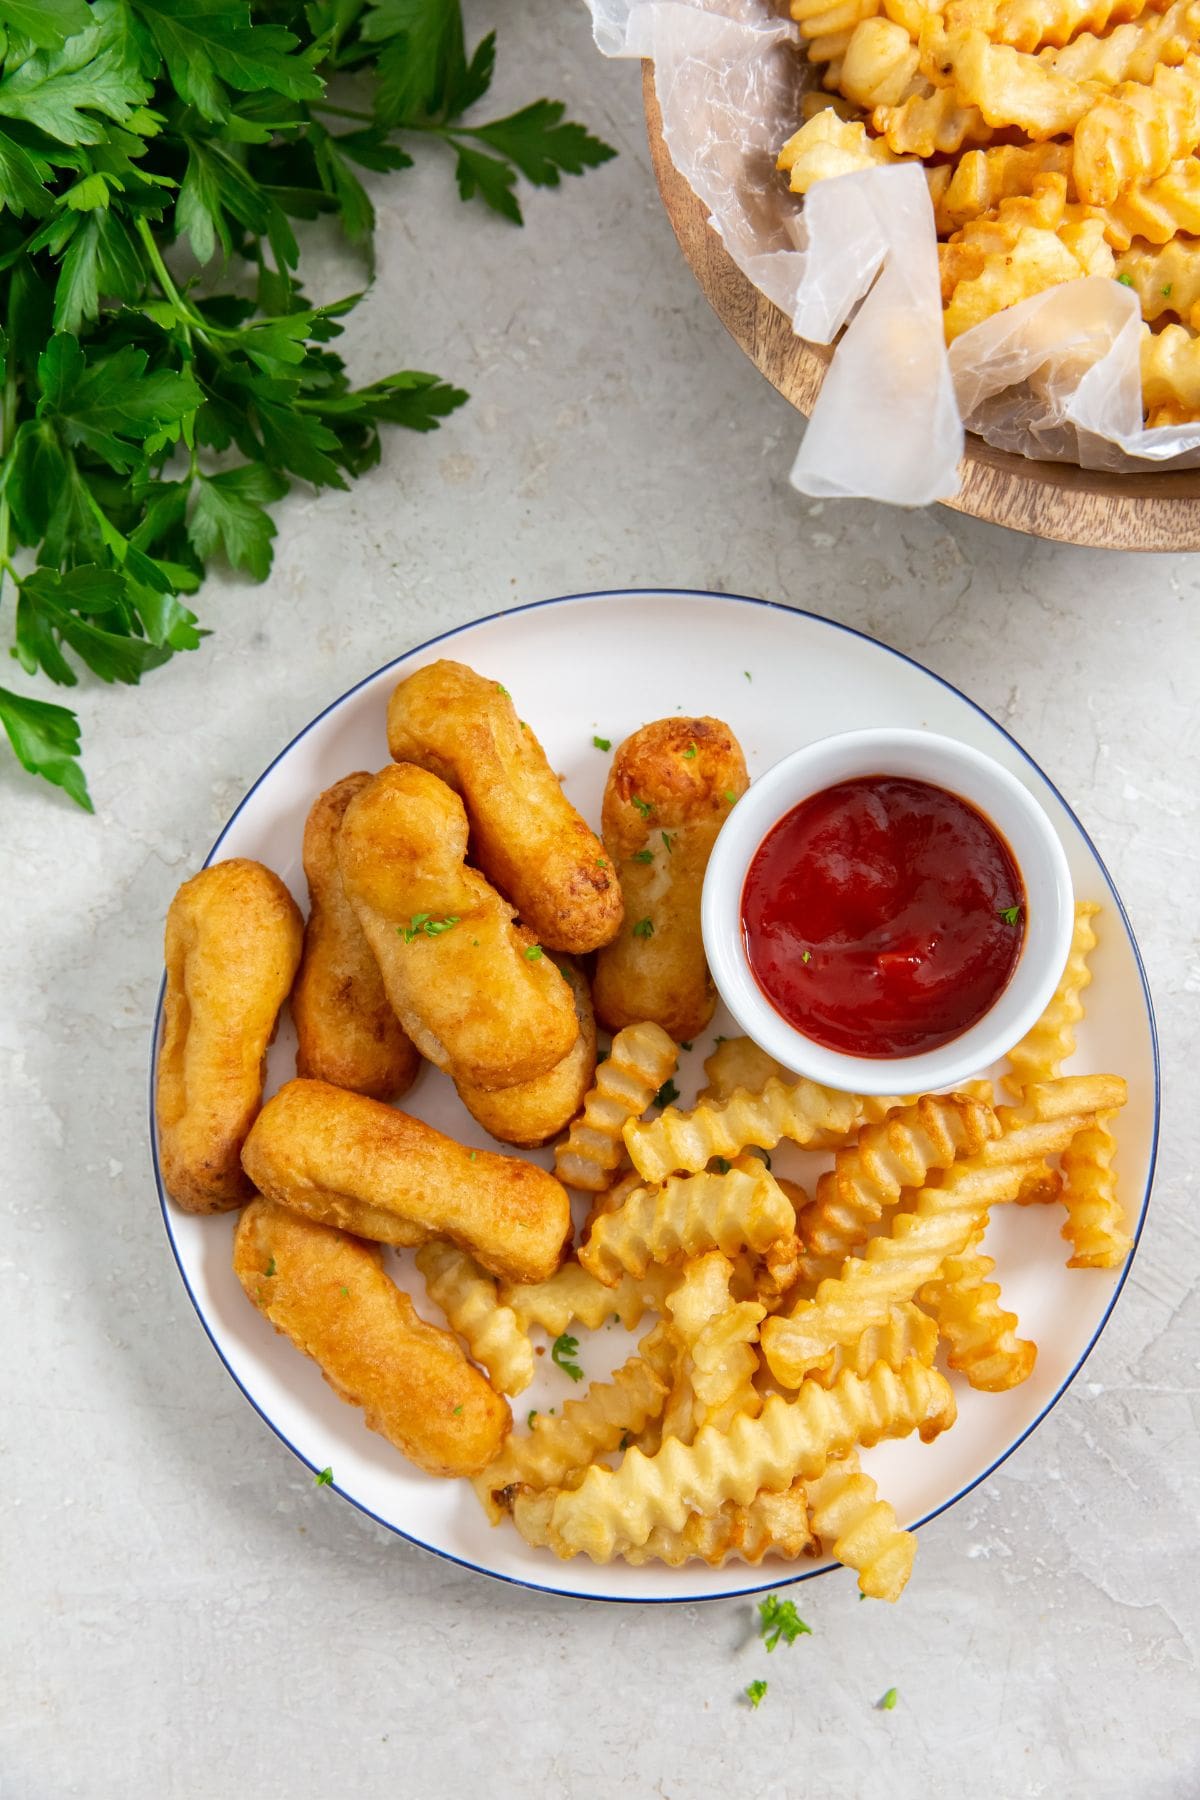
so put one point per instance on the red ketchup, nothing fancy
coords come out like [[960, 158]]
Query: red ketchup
[[883, 917]]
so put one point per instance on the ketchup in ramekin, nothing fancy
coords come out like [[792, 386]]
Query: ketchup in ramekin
[[883, 916]]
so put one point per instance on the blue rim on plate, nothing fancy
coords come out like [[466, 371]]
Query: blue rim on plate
[[785, 1577]]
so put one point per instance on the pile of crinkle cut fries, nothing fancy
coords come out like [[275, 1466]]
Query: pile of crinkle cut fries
[[1058, 137], [789, 1330]]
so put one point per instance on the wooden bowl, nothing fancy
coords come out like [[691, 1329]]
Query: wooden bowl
[[1046, 499]]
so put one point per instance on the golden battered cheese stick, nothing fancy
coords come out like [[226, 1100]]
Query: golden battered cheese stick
[[641, 1059], [329, 1294], [475, 993], [346, 1031], [1046, 1046], [687, 1215], [898, 1153], [556, 1448], [860, 1530], [797, 1109], [791, 1439], [348, 1161], [232, 945], [669, 791], [467, 1295], [940, 1222], [532, 1112], [525, 834], [771, 1525], [981, 1335]]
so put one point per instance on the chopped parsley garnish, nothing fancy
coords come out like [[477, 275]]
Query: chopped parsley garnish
[[668, 840], [747, 674], [422, 924], [807, 957], [534, 953], [530, 1417], [887, 1704], [689, 753], [667, 1094], [642, 856], [730, 796], [643, 806], [719, 1040], [346, 1291], [1010, 914], [602, 743], [457, 1410], [723, 1165], [501, 689], [755, 1693], [1167, 291], [473, 1155], [644, 928], [1125, 280], [324, 1479], [602, 862], [778, 1619], [624, 1443], [563, 1351], [685, 1043], [524, 726], [270, 1268]]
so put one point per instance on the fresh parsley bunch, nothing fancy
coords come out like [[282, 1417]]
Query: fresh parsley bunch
[[148, 421]]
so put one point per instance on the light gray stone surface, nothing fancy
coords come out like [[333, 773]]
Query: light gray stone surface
[[184, 1615]]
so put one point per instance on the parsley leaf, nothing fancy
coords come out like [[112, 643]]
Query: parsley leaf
[[534, 953], [563, 1351], [668, 839], [1010, 914], [689, 753], [230, 516], [889, 1700], [270, 1268], [644, 928], [45, 741], [778, 1619], [324, 1479], [755, 1693], [602, 743], [642, 856], [643, 806], [667, 1094], [422, 925]]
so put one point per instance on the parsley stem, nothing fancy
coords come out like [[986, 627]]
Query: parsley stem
[[341, 112], [187, 317], [7, 420]]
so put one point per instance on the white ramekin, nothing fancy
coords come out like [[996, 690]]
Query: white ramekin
[[920, 756]]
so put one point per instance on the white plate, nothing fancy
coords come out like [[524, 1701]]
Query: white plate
[[604, 664]]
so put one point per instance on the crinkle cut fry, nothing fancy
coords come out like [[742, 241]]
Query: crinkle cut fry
[[571, 1294], [613, 1509], [1136, 131], [687, 1215], [771, 1525], [981, 179], [1166, 279], [1157, 210], [1036, 261], [981, 1335], [896, 1154], [860, 1530], [469, 1298], [823, 147], [929, 124], [641, 1059], [939, 1223], [1034, 24], [907, 1331], [880, 64], [1043, 1050], [555, 1449], [1095, 1223], [717, 1336], [1171, 368], [678, 1141]]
